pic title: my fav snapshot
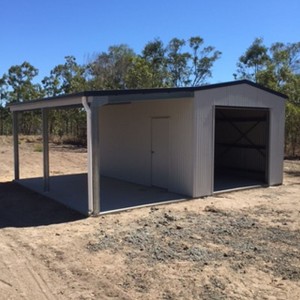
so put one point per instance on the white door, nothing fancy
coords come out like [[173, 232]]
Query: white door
[[160, 152]]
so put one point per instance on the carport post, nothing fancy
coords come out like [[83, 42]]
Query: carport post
[[95, 151], [16, 144], [93, 140], [87, 108], [93, 143], [45, 149]]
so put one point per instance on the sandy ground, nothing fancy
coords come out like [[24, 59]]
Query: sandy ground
[[241, 245]]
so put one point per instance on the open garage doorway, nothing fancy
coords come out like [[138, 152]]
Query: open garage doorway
[[241, 148]]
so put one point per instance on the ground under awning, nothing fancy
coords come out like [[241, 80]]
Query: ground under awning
[[71, 190]]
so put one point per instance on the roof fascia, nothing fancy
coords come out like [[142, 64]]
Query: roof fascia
[[240, 82], [149, 97], [51, 103], [261, 87], [76, 100]]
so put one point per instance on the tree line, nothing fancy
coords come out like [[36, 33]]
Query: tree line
[[178, 63], [277, 67]]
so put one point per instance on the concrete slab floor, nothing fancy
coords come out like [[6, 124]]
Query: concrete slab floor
[[71, 190], [227, 182]]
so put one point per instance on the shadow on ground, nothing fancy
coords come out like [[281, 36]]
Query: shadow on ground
[[20, 207], [293, 173]]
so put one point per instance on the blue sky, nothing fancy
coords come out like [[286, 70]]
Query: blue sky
[[43, 32]]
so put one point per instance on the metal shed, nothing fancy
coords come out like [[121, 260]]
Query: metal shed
[[156, 145]]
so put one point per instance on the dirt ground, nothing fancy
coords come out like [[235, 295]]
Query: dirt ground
[[239, 245]]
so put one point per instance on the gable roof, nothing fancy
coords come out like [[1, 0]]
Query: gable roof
[[143, 94]]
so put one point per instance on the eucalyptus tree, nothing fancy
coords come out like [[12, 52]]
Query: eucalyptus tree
[[20, 87], [203, 59], [154, 56], [254, 60], [141, 75], [276, 67], [66, 78], [108, 70], [178, 63], [5, 120], [189, 62]]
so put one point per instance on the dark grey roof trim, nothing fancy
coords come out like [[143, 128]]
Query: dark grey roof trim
[[179, 89]]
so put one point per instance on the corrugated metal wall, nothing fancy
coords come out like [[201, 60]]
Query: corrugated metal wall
[[125, 141], [235, 96]]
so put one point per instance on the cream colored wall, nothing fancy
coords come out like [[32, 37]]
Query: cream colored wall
[[125, 141]]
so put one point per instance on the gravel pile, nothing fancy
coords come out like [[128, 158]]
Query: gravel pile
[[187, 236]]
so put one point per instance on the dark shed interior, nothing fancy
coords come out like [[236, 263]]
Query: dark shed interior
[[241, 147]]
